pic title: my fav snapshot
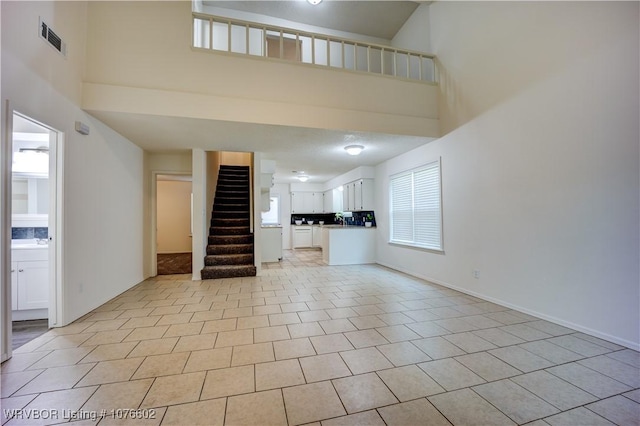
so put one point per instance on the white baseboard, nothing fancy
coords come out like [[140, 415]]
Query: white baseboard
[[623, 342]]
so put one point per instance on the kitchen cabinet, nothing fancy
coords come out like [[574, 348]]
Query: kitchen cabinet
[[307, 202], [333, 201], [302, 236], [358, 195], [318, 202], [316, 236]]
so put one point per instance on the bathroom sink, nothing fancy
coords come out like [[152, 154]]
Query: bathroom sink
[[28, 244]]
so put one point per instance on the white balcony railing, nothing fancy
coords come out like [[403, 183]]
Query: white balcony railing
[[258, 40]]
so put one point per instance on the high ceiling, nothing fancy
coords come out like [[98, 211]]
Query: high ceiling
[[319, 153], [381, 19]]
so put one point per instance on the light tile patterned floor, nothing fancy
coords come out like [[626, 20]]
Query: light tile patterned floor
[[306, 343]]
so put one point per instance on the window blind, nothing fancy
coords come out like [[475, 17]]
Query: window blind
[[416, 211]]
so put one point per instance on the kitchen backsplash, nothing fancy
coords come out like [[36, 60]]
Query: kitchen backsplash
[[329, 218], [357, 218], [29, 233]]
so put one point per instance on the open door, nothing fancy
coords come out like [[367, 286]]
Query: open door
[[30, 231]]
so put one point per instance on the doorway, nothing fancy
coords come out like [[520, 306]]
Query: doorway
[[33, 250], [174, 229]]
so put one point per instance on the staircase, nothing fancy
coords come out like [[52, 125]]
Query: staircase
[[230, 249]]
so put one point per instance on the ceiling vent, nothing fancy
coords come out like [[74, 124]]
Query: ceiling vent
[[54, 39]]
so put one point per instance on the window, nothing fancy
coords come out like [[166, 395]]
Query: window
[[416, 210], [272, 217]]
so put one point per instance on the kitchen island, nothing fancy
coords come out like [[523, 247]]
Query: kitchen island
[[348, 245]]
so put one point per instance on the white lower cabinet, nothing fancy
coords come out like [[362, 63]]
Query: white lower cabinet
[[316, 236], [302, 236], [33, 284], [29, 283]]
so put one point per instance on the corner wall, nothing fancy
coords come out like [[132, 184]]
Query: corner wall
[[540, 163]]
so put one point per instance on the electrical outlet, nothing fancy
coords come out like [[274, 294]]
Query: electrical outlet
[[80, 287], [476, 274]]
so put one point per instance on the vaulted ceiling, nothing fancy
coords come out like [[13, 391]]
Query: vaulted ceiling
[[381, 19]]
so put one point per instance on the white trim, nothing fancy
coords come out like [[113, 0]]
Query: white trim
[[154, 214], [5, 232], [568, 324]]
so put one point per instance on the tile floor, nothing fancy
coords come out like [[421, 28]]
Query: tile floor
[[309, 344]]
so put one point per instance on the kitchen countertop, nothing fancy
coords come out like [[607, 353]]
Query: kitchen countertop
[[348, 227]]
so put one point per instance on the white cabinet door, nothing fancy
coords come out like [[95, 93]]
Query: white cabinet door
[[33, 285], [367, 194], [316, 233], [357, 199], [328, 202], [297, 202], [14, 286], [346, 198], [318, 202], [307, 202], [302, 236], [352, 196]]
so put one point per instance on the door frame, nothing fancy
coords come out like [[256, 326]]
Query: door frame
[[154, 214], [55, 227]]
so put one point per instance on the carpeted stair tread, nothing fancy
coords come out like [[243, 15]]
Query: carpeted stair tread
[[229, 259], [232, 207], [228, 271], [229, 214], [229, 249], [230, 239], [230, 222], [228, 230]]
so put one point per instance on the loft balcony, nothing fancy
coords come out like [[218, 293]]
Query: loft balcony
[[221, 34], [156, 63]]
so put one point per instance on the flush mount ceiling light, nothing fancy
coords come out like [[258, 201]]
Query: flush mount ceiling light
[[314, 2], [354, 149], [303, 178]]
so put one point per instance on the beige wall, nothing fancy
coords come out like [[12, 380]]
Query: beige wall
[[540, 163], [236, 158], [174, 216], [172, 79], [102, 232]]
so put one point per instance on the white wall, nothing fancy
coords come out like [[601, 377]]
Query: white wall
[[200, 221], [415, 33], [540, 163], [103, 172], [174, 216]]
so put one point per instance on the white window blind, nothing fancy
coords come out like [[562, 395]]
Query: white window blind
[[416, 211]]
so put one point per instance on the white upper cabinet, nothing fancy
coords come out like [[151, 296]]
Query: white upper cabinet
[[358, 195], [307, 202]]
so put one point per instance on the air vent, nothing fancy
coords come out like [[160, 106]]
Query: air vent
[[54, 40]]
